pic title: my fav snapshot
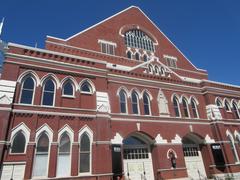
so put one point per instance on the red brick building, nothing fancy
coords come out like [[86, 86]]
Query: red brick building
[[118, 99]]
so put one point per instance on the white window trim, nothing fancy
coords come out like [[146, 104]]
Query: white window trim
[[179, 110], [92, 87], [186, 101], [149, 96], [49, 133], [54, 96], [231, 140], [218, 98], [70, 134], [229, 105], [196, 106], [21, 89], [107, 42], [90, 135], [126, 104], [138, 99], [26, 132]]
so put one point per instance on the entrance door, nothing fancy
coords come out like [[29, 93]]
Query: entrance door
[[137, 160], [194, 161]]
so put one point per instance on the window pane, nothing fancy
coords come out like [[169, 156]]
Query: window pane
[[122, 101], [68, 89], [145, 58], [146, 104], [49, 85], [63, 166], [48, 98], [137, 56], [19, 143], [111, 51], [40, 165], [235, 110], [194, 109], [129, 55], [85, 143], [85, 87], [185, 108], [64, 146], [48, 94], [175, 105], [26, 97], [28, 83], [134, 103], [27, 91], [84, 162], [43, 143], [104, 48]]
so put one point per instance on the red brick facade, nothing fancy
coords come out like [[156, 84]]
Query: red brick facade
[[79, 59]]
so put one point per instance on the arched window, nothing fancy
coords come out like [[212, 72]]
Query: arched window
[[40, 167], [145, 58], [86, 87], [123, 101], [176, 107], [156, 70], [233, 148], [85, 154], [146, 103], [235, 110], [135, 103], [129, 55], [137, 56], [162, 71], [185, 108], [27, 91], [68, 89], [48, 93], [227, 106], [64, 158], [150, 68], [19, 143], [219, 103], [194, 108], [138, 39]]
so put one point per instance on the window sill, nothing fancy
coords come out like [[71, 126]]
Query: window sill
[[16, 154], [70, 97], [87, 93]]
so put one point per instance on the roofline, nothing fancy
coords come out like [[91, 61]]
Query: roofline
[[224, 84], [120, 13]]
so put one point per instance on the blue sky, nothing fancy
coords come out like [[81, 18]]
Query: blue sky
[[206, 31]]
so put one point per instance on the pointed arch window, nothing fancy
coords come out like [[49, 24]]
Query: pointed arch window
[[185, 108], [146, 104], [135, 103], [19, 143], [85, 154], [227, 106], [137, 56], [123, 101], [40, 167], [64, 157], [129, 55], [162, 71], [235, 110], [156, 70], [145, 58], [233, 148], [27, 91], [150, 68], [86, 87], [68, 89], [176, 107], [48, 93], [194, 108], [219, 103]]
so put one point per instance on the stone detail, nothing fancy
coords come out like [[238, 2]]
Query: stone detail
[[177, 140], [208, 140], [117, 139], [159, 140], [102, 102], [213, 112], [7, 89]]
